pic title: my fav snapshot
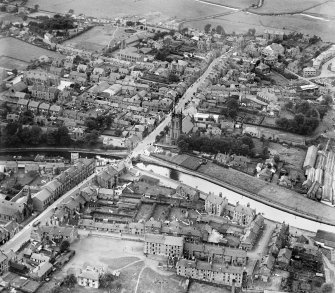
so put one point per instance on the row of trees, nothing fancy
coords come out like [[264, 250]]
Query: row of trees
[[241, 146], [15, 135], [58, 22]]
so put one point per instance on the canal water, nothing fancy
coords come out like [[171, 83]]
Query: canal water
[[233, 197]]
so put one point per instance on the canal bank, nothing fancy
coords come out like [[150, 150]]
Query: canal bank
[[64, 152], [313, 219]]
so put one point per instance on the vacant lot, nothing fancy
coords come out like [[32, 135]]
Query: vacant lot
[[144, 211], [97, 38], [20, 53]]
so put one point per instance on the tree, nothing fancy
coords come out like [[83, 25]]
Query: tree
[[14, 71], [63, 136], [51, 138], [220, 30], [92, 137], [327, 288], [251, 32], [184, 31], [70, 281], [35, 135], [207, 28], [173, 77], [106, 280], [65, 245], [71, 11], [232, 107], [36, 7]]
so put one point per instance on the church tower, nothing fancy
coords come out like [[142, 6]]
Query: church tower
[[176, 127]]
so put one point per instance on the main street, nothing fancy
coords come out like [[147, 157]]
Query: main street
[[187, 97], [24, 235]]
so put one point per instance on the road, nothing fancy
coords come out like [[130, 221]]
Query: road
[[187, 97], [24, 235]]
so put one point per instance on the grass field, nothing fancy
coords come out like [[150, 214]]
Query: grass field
[[287, 6], [236, 3], [137, 273], [20, 53], [326, 9], [96, 38]]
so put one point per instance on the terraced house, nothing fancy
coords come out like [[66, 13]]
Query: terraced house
[[163, 245]]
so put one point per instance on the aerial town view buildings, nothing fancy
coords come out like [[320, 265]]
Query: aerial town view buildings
[[145, 157]]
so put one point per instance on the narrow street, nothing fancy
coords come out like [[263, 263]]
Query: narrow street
[[187, 97]]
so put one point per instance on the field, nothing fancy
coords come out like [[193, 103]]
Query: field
[[96, 38], [137, 273], [14, 53], [287, 6], [235, 3], [158, 10], [326, 9]]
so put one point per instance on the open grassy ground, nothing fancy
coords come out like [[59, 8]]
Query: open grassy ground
[[287, 6], [183, 9], [11, 63], [294, 157], [96, 38], [137, 273], [236, 3], [20, 52], [233, 177], [326, 9]]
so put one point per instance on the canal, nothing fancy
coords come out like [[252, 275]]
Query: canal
[[233, 197]]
